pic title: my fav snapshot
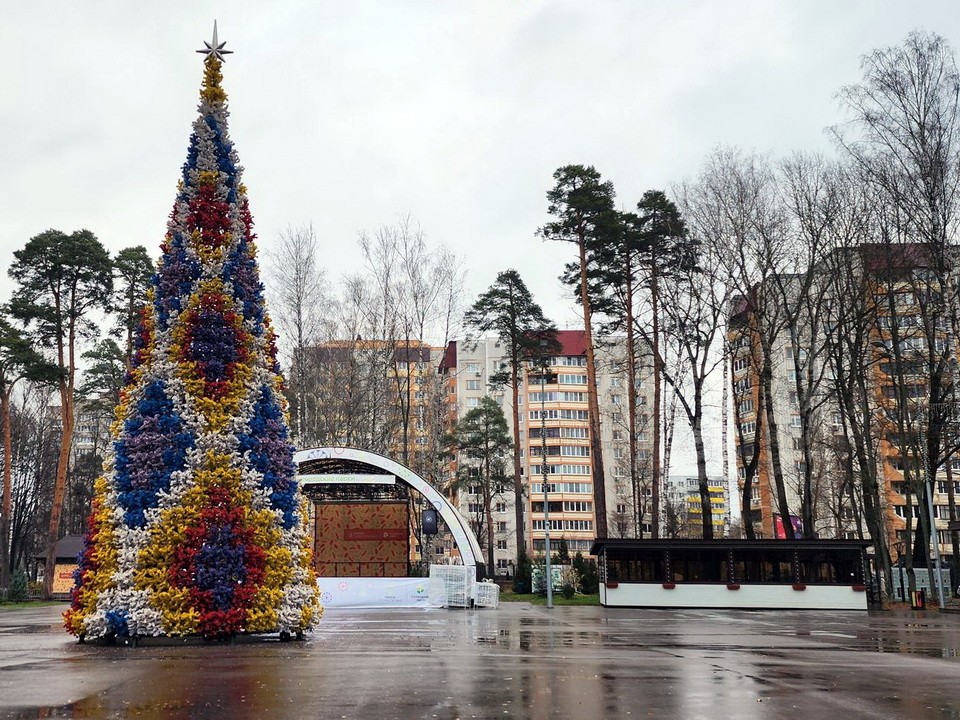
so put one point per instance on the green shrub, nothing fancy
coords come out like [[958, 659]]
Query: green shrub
[[587, 572], [521, 576], [18, 587]]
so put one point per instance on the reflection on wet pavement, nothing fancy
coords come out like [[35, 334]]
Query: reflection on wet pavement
[[518, 661]]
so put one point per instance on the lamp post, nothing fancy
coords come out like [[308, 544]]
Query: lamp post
[[903, 591], [543, 480]]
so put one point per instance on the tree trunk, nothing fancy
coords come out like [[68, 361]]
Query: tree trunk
[[802, 383], [7, 507], [596, 447], [724, 452], [749, 468], [632, 400], [657, 369], [766, 376], [517, 477], [59, 486], [705, 505], [488, 513], [954, 534]]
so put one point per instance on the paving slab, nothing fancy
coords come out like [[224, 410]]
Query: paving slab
[[518, 661]]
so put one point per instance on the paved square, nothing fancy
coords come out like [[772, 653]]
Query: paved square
[[515, 662]]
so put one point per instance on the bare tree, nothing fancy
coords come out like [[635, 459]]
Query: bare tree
[[850, 356], [736, 208], [300, 295], [811, 197], [35, 444], [904, 136], [693, 322]]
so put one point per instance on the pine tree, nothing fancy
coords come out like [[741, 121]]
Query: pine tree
[[583, 206], [482, 439], [198, 522], [509, 309]]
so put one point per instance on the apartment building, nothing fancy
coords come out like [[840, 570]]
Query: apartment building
[[887, 300], [683, 510], [555, 427]]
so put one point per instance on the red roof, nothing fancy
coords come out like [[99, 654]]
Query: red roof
[[449, 361], [572, 342], [906, 256]]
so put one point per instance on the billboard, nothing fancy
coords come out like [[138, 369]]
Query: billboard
[[780, 533], [361, 539]]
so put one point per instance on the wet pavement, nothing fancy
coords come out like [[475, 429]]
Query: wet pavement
[[517, 661]]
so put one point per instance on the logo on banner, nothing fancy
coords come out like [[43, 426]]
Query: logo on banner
[[375, 534]]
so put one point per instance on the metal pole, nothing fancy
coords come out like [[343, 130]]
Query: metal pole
[[544, 466], [935, 545]]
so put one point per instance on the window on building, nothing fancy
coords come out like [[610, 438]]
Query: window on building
[[473, 368], [474, 385], [501, 544], [500, 507], [501, 527], [473, 402]]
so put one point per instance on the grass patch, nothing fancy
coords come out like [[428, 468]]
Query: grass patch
[[558, 599], [30, 604]]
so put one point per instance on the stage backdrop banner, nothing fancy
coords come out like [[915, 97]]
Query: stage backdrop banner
[[362, 539], [375, 592]]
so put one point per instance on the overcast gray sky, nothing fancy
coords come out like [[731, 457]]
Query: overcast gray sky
[[352, 114]]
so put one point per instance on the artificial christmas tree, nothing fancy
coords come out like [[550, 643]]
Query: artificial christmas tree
[[198, 524]]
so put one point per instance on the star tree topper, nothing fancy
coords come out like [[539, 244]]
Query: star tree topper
[[214, 48]]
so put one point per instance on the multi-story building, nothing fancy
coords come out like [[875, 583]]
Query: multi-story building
[[554, 415], [382, 396], [683, 510], [373, 394], [887, 298]]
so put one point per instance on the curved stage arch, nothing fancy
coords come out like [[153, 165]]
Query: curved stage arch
[[463, 535]]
